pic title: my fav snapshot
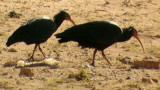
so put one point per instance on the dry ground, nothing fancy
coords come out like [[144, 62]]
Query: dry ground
[[144, 15]]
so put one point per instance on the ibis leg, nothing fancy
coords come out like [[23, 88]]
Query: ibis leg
[[105, 57], [94, 53], [41, 50], [31, 58]]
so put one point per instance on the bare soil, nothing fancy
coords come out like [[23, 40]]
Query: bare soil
[[144, 15]]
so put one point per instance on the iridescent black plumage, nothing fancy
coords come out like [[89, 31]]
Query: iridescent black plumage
[[38, 30], [98, 35]]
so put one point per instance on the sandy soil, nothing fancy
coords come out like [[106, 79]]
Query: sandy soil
[[144, 15]]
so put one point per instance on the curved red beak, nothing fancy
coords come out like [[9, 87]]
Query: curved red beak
[[136, 36], [71, 21]]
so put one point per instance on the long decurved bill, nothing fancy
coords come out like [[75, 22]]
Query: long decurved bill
[[136, 36], [72, 21]]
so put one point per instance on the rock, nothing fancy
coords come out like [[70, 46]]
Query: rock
[[13, 14], [146, 80], [26, 72], [10, 63], [12, 50], [20, 63], [146, 64], [155, 80]]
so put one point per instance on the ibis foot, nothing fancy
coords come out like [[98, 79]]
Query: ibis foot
[[92, 64], [44, 58], [30, 59]]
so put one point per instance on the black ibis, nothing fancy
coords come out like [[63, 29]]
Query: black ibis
[[38, 30], [98, 35]]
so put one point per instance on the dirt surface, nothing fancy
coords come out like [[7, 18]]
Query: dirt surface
[[74, 72]]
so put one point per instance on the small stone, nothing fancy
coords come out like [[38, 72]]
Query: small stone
[[20, 63], [94, 88], [155, 80], [146, 80], [12, 50], [4, 74], [26, 72], [128, 78], [120, 80], [128, 69], [13, 14], [10, 63]]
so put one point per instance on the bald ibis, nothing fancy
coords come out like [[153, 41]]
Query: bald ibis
[[98, 35], [38, 30]]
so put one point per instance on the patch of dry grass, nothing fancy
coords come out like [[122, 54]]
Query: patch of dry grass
[[81, 75], [5, 85]]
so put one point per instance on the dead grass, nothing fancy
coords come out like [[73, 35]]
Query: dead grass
[[5, 85], [81, 75]]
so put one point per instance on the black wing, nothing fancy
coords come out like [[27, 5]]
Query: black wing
[[33, 31], [94, 34]]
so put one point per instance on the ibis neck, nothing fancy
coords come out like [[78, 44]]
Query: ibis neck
[[58, 22], [126, 35]]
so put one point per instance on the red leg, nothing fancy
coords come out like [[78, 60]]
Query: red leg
[[105, 57], [31, 58], [94, 53], [41, 50]]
